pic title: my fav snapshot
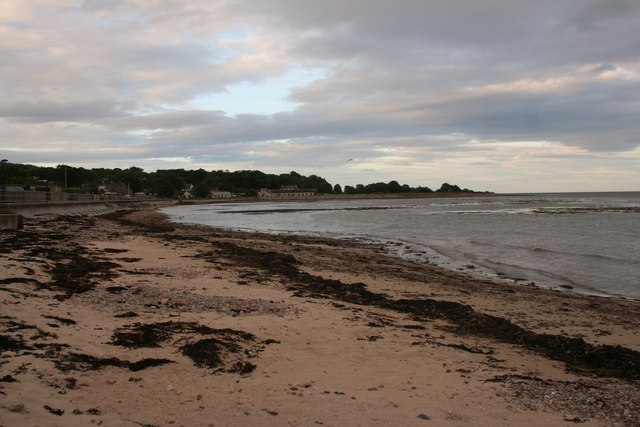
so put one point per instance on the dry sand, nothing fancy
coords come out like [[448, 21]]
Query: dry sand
[[124, 320]]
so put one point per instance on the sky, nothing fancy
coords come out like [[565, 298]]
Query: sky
[[498, 95]]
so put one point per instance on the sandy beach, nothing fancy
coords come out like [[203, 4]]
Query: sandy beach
[[125, 319]]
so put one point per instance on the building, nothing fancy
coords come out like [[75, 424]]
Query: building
[[217, 194], [287, 192], [115, 191]]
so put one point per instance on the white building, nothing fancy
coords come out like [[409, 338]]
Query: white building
[[287, 192]]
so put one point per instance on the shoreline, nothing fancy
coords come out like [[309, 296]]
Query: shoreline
[[127, 319], [443, 257]]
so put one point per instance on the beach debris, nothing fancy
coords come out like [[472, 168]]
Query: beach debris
[[54, 411], [222, 349], [85, 362], [125, 315], [270, 412], [140, 335], [62, 320], [8, 379]]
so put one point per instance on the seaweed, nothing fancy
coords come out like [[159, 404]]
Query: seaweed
[[204, 353], [141, 335], [128, 314], [62, 320], [74, 268], [152, 226], [114, 250], [209, 352], [242, 368], [75, 276], [54, 411], [8, 343], [148, 363], [577, 354], [16, 280], [86, 362]]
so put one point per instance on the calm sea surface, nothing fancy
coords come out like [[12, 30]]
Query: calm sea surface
[[588, 242]]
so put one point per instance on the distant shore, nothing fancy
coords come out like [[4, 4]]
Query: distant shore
[[127, 319]]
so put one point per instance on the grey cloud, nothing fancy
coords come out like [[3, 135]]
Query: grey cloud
[[598, 119], [603, 68], [55, 111], [597, 15]]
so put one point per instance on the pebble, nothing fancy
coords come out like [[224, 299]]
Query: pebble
[[616, 403]]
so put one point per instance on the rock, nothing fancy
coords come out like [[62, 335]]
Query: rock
[[164, 301], [424, 417]]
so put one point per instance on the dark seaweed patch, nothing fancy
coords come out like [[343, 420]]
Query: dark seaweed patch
[[54, 411], [16, 280], [74, 269], [62, 320], [148, 363], [13, 326], [114, 250], [242, 368], [8, 379], [141, 335], [86, 362], [222, 349], [204, 353], [129, 259], [76, 275], [126, 315], [8, 343], [148, 226]]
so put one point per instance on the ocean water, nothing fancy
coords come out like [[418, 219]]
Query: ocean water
[[585, 242]]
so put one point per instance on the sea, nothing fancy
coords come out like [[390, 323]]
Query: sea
[[580, 242]]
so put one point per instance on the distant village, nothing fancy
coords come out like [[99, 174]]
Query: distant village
[[14, 193], [20, 183]]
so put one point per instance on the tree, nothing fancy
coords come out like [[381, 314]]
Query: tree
[[201, 190], [164, 188], [448, 188], [337, 189]]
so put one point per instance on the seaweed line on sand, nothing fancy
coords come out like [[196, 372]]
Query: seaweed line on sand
[[578, 355]]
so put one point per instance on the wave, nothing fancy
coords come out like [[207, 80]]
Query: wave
[[557, 252]]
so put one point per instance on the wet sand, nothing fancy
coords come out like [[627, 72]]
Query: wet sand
[[127, 320]]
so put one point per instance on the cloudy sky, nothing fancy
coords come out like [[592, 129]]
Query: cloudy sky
[[502, 95]]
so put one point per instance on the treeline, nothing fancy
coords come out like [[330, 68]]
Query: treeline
[[395, 187], [170, 182]]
